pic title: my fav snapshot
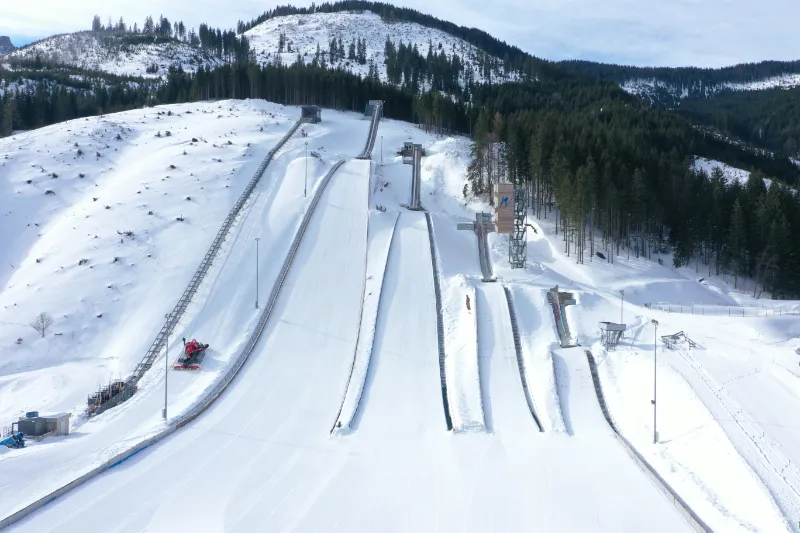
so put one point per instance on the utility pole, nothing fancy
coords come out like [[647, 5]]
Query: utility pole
[[621, 303], [381, 150], [305, 182], [655, 377], [166, 364], [257, 239]]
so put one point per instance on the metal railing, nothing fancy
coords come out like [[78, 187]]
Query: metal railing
[[176, 314], [512, 313], [437, 289], [725, 310]]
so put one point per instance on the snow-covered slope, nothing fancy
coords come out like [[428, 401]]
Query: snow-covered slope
[[653, 89], [90, 235], [269, 438], [124, 55], [731, 173], [305, 32]]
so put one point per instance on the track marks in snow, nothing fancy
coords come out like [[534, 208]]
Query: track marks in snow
[[504, 403], [402, 394], [537, 339], [769, 459]]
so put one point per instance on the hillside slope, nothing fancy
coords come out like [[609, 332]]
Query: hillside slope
[[119, 54], [305, 32]]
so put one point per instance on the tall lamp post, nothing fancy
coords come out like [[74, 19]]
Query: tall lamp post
[[257, 239], [166, 363], [621, 303], [655, 376], [305, 181]]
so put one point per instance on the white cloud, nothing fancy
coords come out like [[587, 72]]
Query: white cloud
[[708, 33]]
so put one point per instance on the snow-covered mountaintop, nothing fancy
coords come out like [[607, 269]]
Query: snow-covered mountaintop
[[120, 55], [304, 32], [650, 88]]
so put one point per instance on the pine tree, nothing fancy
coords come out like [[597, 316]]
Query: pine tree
[[737, 238], [96, 24]]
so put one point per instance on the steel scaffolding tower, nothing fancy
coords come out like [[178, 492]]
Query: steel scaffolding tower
[[517, 245]]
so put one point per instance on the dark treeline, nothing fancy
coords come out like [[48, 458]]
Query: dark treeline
[[49, 94], [687, 77], [616, 176], [224, 44], [769, 118]]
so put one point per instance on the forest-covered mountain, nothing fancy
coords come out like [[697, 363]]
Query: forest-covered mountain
[[758, 103]]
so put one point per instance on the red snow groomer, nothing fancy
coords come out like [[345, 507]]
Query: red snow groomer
[[193, 354]]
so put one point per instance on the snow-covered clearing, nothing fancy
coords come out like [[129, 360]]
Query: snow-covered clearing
[[115, 55], [649, 87], [731, 173], [354, 332], [305, 32]]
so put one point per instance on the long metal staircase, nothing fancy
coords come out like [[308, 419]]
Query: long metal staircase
[[176, 314]]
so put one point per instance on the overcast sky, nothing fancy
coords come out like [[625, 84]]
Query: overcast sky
[[706, 33]]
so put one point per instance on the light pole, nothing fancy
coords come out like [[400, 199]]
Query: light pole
[[166, 363], [655, 375], [305, 181], [257, 239], [621, 302], [381, 149]]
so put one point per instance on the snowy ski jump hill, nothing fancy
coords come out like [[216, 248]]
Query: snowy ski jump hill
[[337, 420]]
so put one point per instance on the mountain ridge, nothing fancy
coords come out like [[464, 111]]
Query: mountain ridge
[[6, 46]]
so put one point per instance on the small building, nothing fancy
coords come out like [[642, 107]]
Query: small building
[[34, 425], [311, 112]]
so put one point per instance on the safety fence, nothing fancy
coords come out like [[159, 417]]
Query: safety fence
[[174, 317], [723, 310]]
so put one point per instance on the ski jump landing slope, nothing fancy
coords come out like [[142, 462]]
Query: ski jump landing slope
[[261, 458], [504, 404], [402, 396]]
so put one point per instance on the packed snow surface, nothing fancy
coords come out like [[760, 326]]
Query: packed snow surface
[[354, 334]]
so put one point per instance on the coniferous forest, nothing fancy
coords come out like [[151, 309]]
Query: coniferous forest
[[609, 168]]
